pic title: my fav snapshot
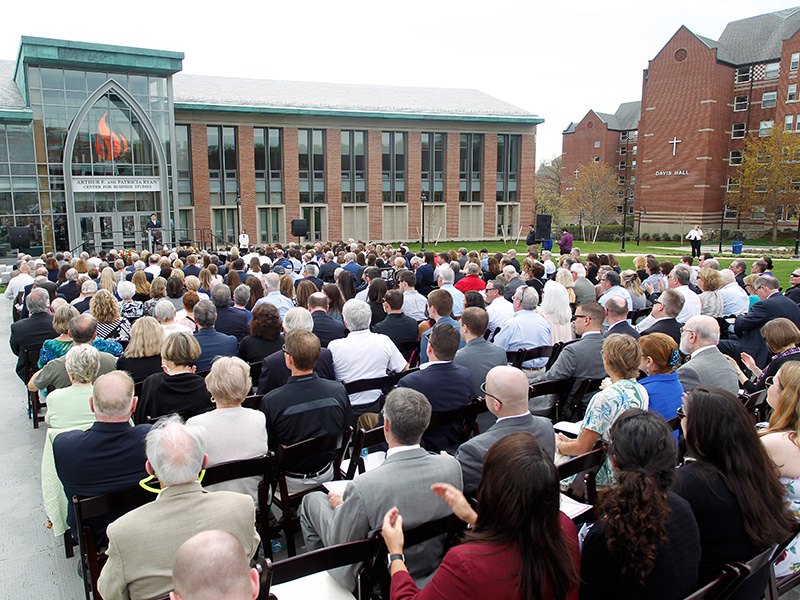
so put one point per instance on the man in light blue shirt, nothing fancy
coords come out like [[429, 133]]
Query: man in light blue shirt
[[447, 278], [735, 300], [610, 284], [526, 330], [274, 296], [414, 303], [440, 307]]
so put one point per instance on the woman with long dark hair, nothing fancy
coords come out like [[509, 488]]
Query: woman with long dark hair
[[335, 302], [347, 285], [525, 548], [375, 296], [732, 486], [645, 534]]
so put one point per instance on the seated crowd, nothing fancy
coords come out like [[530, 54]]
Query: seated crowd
[[157, 366]]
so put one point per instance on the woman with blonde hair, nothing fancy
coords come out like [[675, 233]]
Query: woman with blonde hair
[[618, 392], [232, 431], [177, 387], [142, 357], [710, 281], [110, 324], [119, 270], [556, 311], [660, 359], [564, 277], [139, 279], [107, 280], [640, 264], [781, 441], [179, 274], [206, 282], [81, 266], [287, 286], [631, 282]]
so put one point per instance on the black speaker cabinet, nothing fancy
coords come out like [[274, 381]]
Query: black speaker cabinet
[[299, 227], [544, 224], [19, 237]]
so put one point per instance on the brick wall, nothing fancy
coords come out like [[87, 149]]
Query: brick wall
[[199, 145], [291, 186], [414, 181], [333, 182], [247, 182]]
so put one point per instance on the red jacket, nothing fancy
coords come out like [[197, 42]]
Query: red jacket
[[469, 283]]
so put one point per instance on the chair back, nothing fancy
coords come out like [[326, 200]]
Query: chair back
[[363, 439], [31, 367], [575, 410], [719, 587], [253, 401], [97, 506], [517, 357], [464, 416], [557, 387], [585, 468], [260, 466], [635, 315], [756, 405], [752, 566], [255, 372], [292, 455], [324, 559]]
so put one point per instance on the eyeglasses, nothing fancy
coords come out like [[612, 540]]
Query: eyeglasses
[[576, 317], [284, 350], [770, 381], [485, 393], [687, 331], [680, 413], [795, 275]]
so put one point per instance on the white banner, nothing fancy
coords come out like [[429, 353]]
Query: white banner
[[116, 184]]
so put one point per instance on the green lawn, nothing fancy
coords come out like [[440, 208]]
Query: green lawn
[[668, 250]]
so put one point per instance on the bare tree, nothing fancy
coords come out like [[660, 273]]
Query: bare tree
[[593, 194], [548, 188]]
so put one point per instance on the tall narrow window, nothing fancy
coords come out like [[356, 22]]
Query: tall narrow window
[[311, 163], [794, 62], [393, 166], [740, 103], [268, 165], [507, 167], [354, 166], [433, 166], [470, 167], [223, 171], [791, 92]]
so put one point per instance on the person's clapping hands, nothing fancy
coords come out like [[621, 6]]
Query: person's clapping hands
[[392, 531], [458, 503]]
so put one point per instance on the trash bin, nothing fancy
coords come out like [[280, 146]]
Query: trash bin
[[737, 247], [548, 244]]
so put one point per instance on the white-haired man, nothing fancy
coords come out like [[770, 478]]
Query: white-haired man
[[446, 282], [526, 330], [707, 365], [513, 281], [734, 299], [274, 296], [142, 543], [363, 355], [31, 333]]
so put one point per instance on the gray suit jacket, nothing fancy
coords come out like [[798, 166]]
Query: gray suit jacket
[[471, 453], [710, 367], [404, 480], [584, 291], [480, 356], [582, 359]]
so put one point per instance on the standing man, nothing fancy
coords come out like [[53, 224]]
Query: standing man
[[153, 227], [565, 243], [531, 241], [244, 242], [695, 237]]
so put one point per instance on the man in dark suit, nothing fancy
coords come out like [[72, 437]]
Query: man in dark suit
[[748, 326], [212, 342], [40, 282], [665, 309], [328, 267], [88, 290], [326, 328], [153, 227], [229, 320], [507, 399], [617, 318], [448, 386], [238, 266], [191, 267], [69, 289], [424, 274], [581, 359], [107, 457], [399, 327], [275, 373], [739, 268], [310, 271], [31, 333]]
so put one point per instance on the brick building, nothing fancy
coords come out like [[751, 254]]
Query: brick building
[[700, 98], [95, 138]]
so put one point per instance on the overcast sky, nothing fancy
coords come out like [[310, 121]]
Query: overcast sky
[[555, 59]]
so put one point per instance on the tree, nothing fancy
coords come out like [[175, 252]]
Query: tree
[[769, 176], [548, 188], [593, 194]]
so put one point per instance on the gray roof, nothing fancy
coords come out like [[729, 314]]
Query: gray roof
[[758, 38], [10, 96], [227, 91], [625, 119]]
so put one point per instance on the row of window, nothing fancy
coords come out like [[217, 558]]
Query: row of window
[[771, 70], [624, 137], [624, 165], [223, 166], [768, 99]]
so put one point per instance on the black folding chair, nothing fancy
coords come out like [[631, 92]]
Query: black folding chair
[[463, 416], [635, 315], [324, 559], [291, 455], [558, 387], [88, 508], [255, 372], [253, 401], [363, 439], [584, 468], [718, 588], [517, 357], [34, 404], [261, 466], [576, 408], [756, 405]]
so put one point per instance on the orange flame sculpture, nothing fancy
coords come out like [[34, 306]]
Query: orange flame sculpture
[[108, 144]]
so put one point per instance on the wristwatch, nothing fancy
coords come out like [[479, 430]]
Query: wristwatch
[[394, 557]]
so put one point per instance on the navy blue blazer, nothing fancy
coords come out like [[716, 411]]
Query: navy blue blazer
[[213, 344], [447, 386], [191, 270], [69, 291], [275, 373], [231, 321], [424, 275], [326, 328], [107, 457], [315, 280]]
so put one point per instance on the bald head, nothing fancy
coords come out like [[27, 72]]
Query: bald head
[[699, 332], [617, 309], [211, 565], [510, 386], [112, 397]]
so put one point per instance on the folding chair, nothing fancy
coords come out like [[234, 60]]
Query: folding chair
[[635, 315], [756, 405], [517, 357], [778, 587], [575, 410], [261, 466], [255, 372], [409, 350], [717, 588], [97, 506], [751, 567], [557, 387], [463, 416], [585, 468], [31, 367], [363, 439], [291, 455], [324, 559], [253, 401]]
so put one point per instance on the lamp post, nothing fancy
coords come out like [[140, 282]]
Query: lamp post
[[797, 239], [721, 226], [624, 222], [642, 212], [238, 219], [422, 199]]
